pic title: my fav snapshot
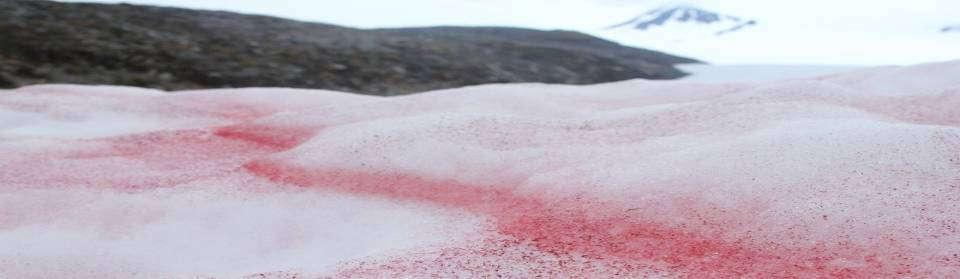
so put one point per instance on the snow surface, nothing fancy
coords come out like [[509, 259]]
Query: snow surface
[[853, 174], [758, 73]]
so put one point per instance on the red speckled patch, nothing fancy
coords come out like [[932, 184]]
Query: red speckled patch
[[154, 159], [269, 136], [571, 228]]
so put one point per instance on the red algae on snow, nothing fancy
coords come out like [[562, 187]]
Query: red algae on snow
[[153, 159], [572, 228], [269, 136], [848, 176]]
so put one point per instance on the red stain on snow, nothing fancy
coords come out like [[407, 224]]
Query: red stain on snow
[[575, 227], [153, 159], [620, 241], [270, 136]]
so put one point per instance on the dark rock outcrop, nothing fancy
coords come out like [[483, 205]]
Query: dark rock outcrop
[[171, 48]]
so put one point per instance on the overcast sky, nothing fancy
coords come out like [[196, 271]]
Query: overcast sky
[[569, 14], [899, 19], [544, 14]]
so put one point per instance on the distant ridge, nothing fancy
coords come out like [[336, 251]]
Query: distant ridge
[[764, 34], [171, 48], [684, 14]]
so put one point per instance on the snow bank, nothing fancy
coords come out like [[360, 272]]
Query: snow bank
[[849, 175], [757, 73]]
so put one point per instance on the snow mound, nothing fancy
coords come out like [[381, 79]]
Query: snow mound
[[852, 174]]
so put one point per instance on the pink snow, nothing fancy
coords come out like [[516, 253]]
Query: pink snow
[[851, 175]]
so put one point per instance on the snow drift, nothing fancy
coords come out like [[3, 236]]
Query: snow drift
[[847, 175]]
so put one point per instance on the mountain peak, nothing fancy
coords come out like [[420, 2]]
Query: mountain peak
[[686, 14]]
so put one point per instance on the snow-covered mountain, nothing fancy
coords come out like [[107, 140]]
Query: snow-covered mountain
[[761, 33], [671, 17], [681, 29]]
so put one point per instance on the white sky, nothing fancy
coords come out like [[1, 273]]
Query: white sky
[[569, 14], [544, 14], [901, 19]]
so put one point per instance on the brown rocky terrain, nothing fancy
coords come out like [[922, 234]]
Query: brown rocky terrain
[[172, 48]]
